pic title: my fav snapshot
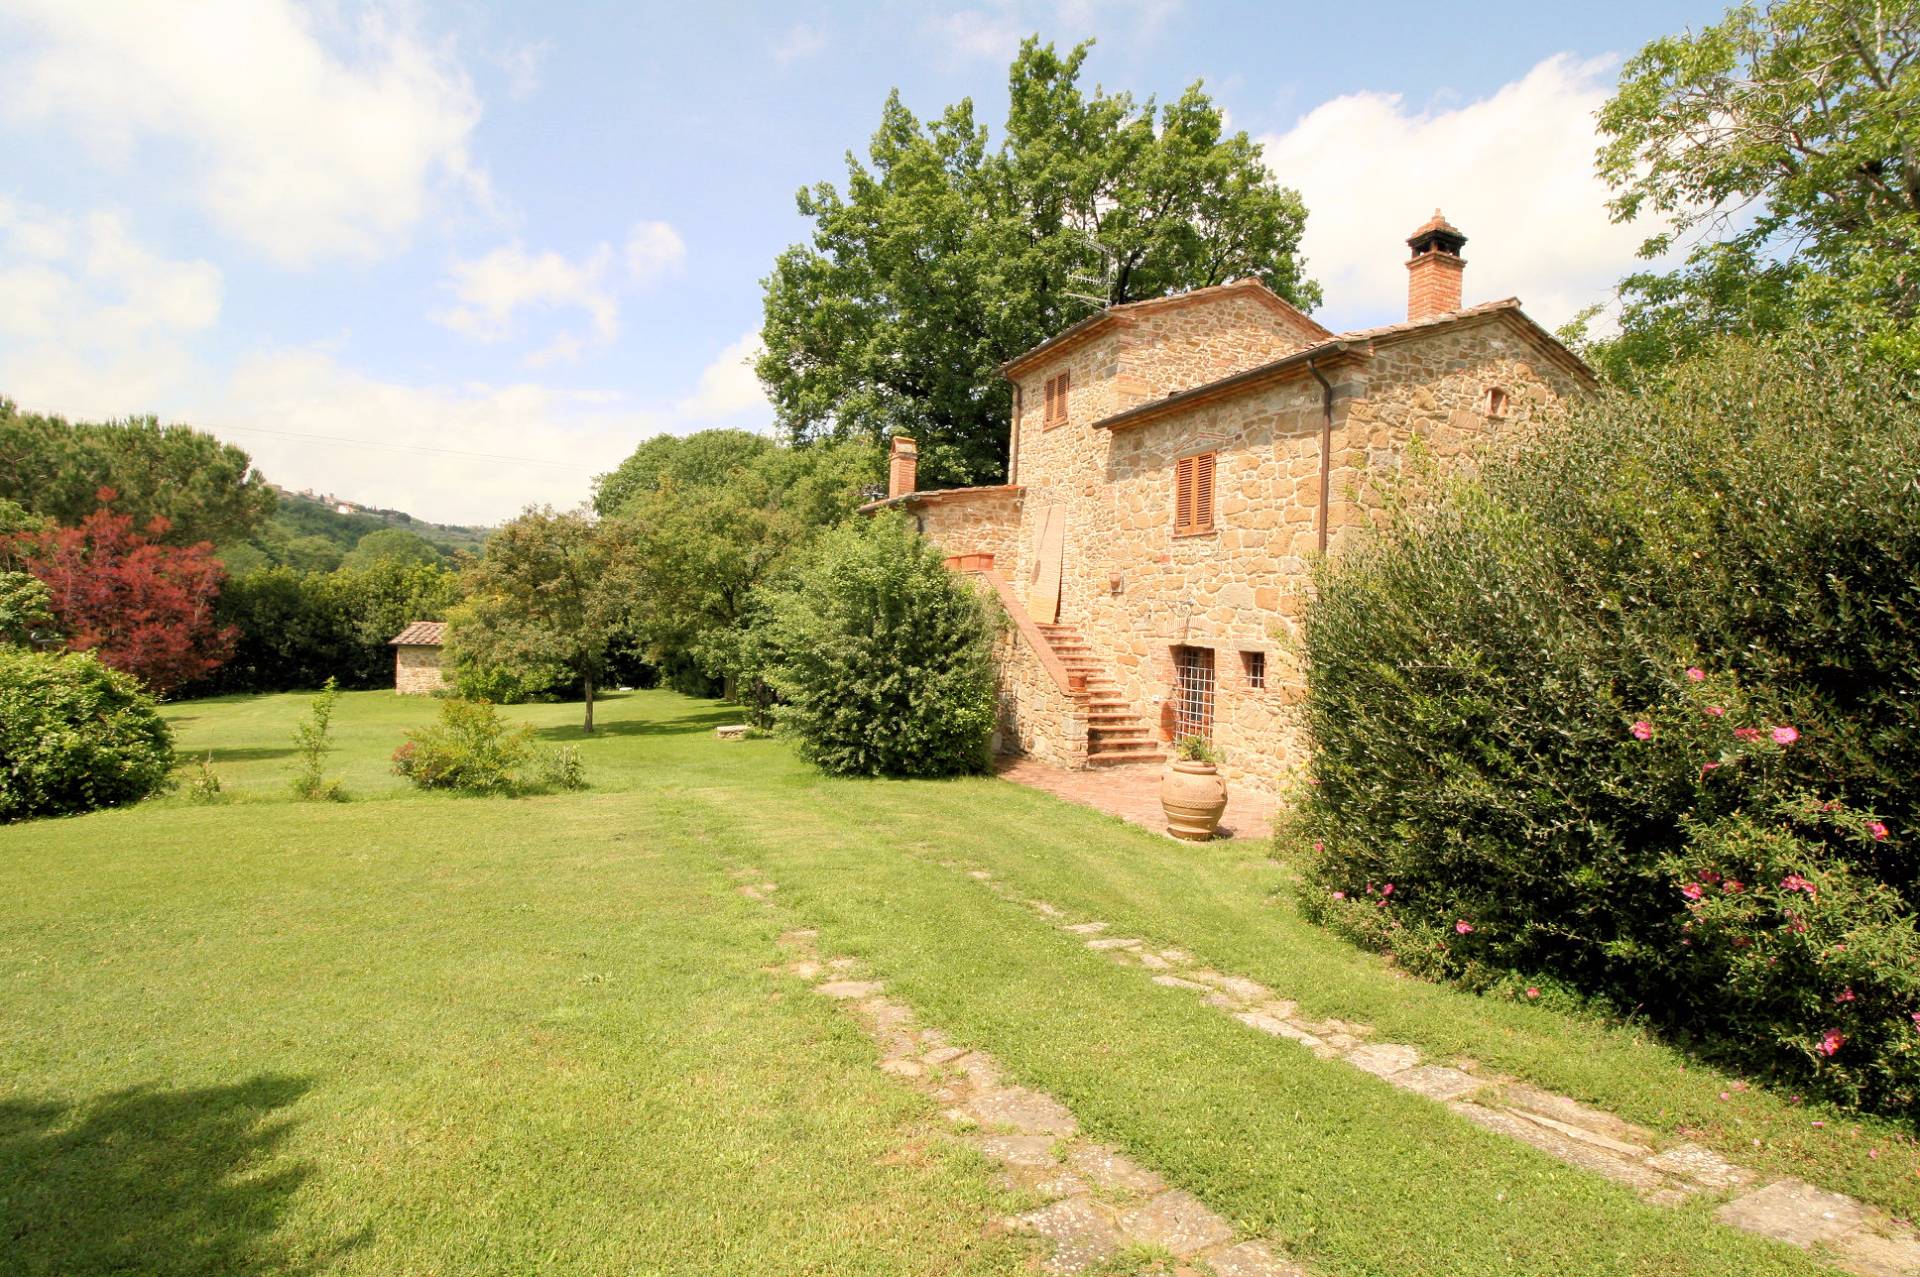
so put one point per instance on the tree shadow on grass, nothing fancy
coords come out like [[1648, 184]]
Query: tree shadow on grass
[[243, 754], [152, 1181], [684, 725]]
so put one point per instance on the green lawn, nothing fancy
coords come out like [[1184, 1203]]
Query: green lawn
[[439, 1035]]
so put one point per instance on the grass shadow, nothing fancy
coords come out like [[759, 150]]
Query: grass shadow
[[242, 754], [689, 725], [152, 1181]]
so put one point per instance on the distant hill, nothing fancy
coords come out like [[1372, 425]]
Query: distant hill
[[314, 531]]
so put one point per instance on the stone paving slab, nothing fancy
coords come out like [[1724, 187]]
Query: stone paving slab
[[1572, 1113], [1383, 1058], [1133, 794], [1437, 1082], [1872, 1255], [1082, 1235], [1613, 1166], [1702, 1166], [1177, 1222], [847, 990], [1111, 1170], [1029, 1112], [1794, 1211]]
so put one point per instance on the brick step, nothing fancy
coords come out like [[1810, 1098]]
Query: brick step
[[1120, 758]]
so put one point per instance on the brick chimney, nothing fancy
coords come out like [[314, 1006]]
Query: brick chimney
[[1433, 272], [903, 467]]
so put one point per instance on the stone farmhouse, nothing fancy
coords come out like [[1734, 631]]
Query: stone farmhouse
[[1175, 467]]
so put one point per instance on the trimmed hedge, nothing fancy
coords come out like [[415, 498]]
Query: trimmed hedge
[[1669, 644], [75, 735]]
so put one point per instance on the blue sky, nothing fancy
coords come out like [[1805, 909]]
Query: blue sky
[[453, 258]]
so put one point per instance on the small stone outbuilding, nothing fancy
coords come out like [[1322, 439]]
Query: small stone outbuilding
[[416, 658]]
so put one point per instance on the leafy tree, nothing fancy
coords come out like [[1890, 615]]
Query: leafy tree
[[884, 657], [700, 550], [75, 735], [26, 611], [944, 257], [206, 490], [143, 606], [554, 588], [700, 459], [390, 545], [1784, 141]]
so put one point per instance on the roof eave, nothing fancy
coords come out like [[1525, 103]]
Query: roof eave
[[1278, 370]]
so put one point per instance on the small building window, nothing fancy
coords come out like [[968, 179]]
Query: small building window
[[1055, 413], [1496, 401], [1193, 692], [1255, 665], [1193, 494]]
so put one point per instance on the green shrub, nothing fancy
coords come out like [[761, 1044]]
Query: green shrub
[[312, 742], [883, 657], [75, 735], [1533, 699], [205, 788], [472, 750]]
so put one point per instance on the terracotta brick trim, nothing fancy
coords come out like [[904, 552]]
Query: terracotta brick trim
[[1031, 635], [938, 496]]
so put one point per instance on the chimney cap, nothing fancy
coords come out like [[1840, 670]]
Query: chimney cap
[[903, 444], [1437, 234]]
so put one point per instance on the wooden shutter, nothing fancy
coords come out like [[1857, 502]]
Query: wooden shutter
[[1193, 494], [1060, 404], [1046, 417]]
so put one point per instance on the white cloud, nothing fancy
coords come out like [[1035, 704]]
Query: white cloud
[[462, 454], [88, 306], [653, 249], [299, 147], [1514, 171], [801, 41], [522, 65], [491, 289], [978, 33], [728, 391]]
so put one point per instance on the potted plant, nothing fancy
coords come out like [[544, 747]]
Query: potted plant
[[1192, 792]]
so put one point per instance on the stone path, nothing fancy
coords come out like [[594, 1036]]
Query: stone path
[[1133, 794], [1097, 1203], [1849, 1234]]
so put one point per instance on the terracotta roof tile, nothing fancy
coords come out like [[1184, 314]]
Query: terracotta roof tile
[[421, 634]]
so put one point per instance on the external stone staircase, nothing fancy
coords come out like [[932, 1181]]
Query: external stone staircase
[[1115, 734]]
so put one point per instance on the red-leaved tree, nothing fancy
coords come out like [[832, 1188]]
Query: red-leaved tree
[[138, 605]]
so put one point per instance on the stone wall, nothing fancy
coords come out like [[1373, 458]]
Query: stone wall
[[416, 670], [978, 521], [1180, 346]]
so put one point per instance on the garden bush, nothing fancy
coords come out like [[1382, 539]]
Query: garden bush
[[75, 735], [471, 750], [882, 657], [1545, 702]]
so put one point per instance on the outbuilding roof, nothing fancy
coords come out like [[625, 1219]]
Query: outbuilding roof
[[421, 634]]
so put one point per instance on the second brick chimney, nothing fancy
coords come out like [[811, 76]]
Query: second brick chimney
[[903, 467], [1433, 272]]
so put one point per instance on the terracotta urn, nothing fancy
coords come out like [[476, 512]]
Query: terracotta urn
[[1194, 796]]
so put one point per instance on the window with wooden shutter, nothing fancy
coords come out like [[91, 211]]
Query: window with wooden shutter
[[1056, 400], [1193, 494]]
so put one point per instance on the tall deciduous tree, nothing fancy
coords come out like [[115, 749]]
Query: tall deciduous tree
[[555, 587], [206, 490], [1783, 144], [140, 605], [945, 257]]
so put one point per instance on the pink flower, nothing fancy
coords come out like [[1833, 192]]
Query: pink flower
[[1533, 991], [1831, 1041], [1725, 1096], [1734, 886], [1643, 730], [1387, 890], [1784, 736], [1339, 895], [1691, 891], [1916, 1019], [1697, 674], [1708, 767], [1794, 882], [1716, 711], [1746, 733], [1463, 927], [1878, 829], [1319, 846], [1845, 995], [1817, 1123]]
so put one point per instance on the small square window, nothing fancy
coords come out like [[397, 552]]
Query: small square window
[[1255, 665], [1496, 401]]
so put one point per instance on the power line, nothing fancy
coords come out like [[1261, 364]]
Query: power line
[[412, 447]]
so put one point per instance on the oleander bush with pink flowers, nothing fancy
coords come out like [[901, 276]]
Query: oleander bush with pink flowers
[[1671, 644]]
